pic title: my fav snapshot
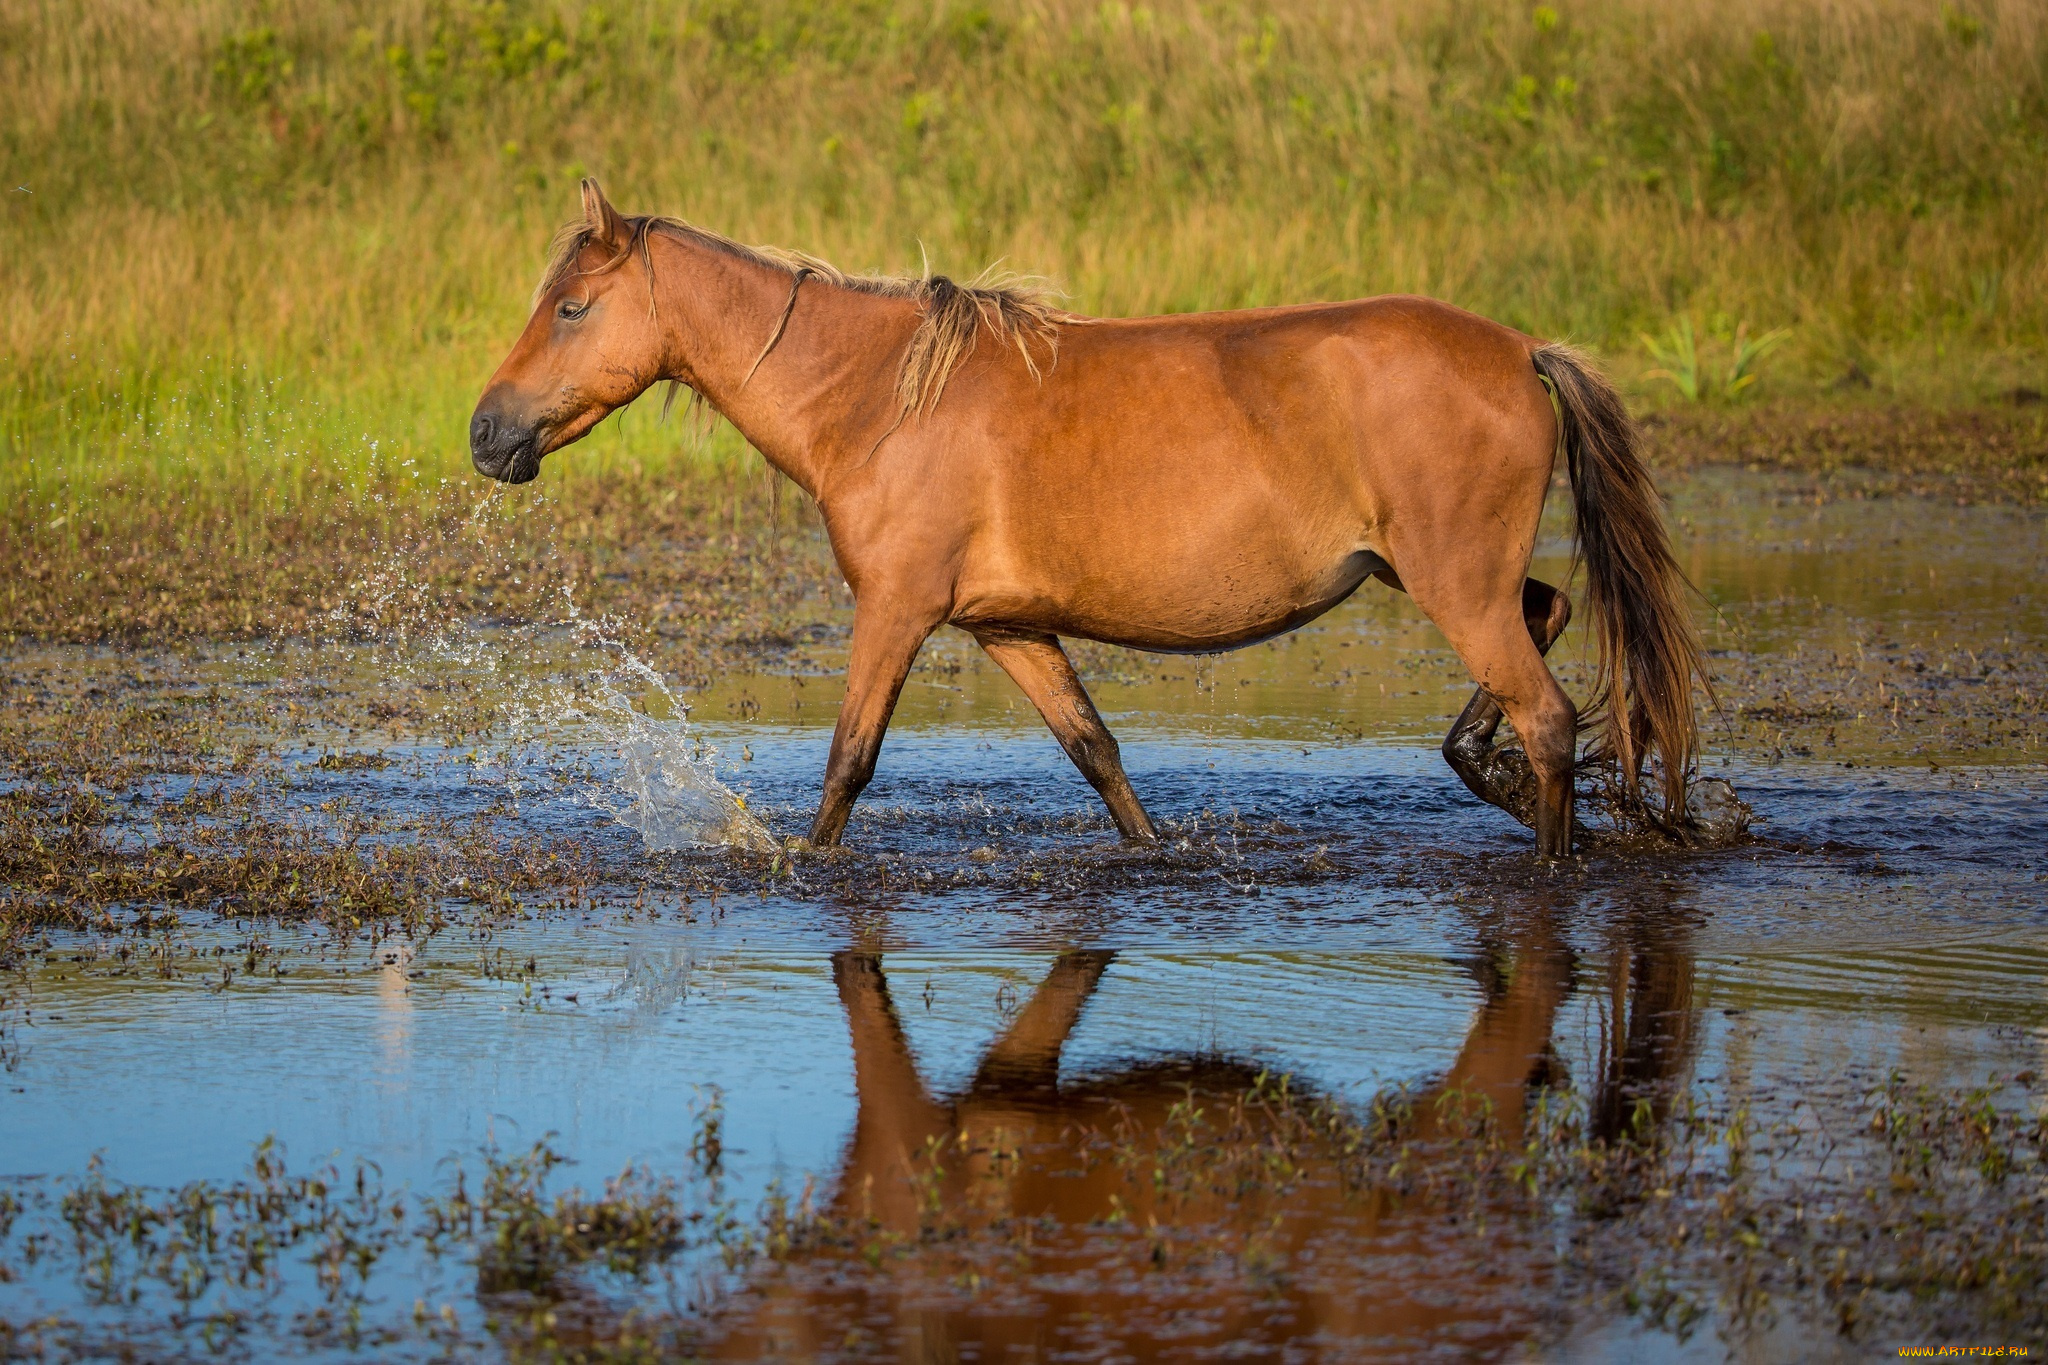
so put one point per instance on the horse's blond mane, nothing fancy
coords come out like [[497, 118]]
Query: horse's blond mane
[[1018, 310]]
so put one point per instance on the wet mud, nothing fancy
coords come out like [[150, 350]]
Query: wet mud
[[1338, 1070]]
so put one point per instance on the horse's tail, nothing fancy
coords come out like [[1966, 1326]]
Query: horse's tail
[[1649, 653]]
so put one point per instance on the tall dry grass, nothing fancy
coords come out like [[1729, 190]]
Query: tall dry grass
[[265, 251]]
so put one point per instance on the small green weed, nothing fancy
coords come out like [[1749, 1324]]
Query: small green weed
[[1681, 363]]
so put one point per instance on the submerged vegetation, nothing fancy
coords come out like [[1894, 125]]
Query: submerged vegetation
[[264, 255]]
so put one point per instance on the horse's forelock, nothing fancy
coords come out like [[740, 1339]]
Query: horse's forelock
[[563, 253]]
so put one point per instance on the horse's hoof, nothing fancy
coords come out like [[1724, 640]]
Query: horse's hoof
[[1511, 783]]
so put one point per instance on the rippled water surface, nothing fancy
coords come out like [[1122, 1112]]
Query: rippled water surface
[[986, 967]]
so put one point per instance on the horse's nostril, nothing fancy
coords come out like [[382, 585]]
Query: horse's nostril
[[481, 428]]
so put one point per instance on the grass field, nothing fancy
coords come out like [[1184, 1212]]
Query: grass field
[[264, 254]]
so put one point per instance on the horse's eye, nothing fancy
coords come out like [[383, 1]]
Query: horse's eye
[[570, 308]]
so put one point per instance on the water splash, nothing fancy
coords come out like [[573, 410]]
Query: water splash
[[417, 632], [668, 788]]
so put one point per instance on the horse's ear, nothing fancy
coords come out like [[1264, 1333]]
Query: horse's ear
[[607, 228]]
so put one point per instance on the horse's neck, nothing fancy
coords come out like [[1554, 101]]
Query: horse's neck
[[827, 384]]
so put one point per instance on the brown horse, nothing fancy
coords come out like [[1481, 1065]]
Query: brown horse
[[1186, 484]]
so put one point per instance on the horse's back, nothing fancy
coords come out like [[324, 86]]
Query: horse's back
[[1355, 391]]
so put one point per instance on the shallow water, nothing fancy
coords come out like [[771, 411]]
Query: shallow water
[[1329, 906]]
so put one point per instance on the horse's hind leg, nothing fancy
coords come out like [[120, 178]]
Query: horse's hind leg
[[1497, 645], [1469, 746], [1038, 665]]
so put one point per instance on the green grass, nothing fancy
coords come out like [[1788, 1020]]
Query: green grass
[[267, 251]]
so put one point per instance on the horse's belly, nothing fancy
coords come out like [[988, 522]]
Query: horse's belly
[[1174, 613]]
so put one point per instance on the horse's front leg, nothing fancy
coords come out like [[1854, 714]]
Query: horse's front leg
[[885, 643]]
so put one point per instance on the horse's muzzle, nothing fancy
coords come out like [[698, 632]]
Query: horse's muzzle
[[503, 450]]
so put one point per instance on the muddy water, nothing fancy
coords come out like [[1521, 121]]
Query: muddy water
[[986, 968]]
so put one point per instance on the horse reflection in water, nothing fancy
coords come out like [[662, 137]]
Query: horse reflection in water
[[1340, 1275]]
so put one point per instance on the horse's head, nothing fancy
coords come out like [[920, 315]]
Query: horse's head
[[592, 346]]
